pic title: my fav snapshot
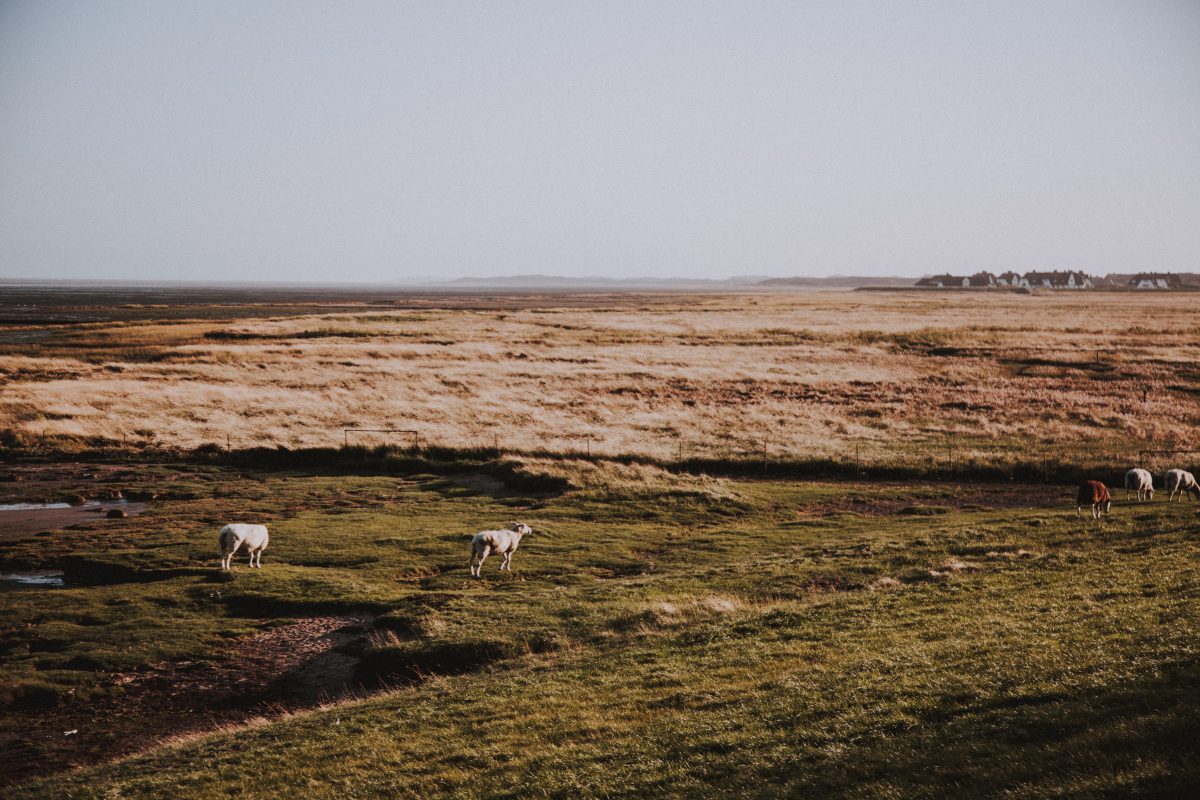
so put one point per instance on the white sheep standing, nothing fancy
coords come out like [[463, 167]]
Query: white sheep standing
[[1141, 481], [1181, 482], [504, 542], [233, 536]]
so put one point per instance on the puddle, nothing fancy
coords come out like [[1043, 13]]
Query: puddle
[[32, 506], [49, 579]]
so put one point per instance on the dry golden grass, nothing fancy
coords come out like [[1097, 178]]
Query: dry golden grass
[[805, 374]]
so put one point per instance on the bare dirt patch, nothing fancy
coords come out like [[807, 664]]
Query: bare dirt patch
[[893, 500], [26, 522], [296, 666]]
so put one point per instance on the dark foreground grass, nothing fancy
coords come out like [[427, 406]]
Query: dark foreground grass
[[655, 639]]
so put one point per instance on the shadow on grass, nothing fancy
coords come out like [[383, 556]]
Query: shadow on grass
[[1138, 739]]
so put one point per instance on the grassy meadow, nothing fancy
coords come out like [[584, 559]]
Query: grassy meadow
[[685, 621], [660, 635]]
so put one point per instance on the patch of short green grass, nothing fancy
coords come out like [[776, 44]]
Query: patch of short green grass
[[717, 643]]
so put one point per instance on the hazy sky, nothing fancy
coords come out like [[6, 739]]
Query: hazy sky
[[395, 141]]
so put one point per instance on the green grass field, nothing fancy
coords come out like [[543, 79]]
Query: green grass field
[[660, 636]]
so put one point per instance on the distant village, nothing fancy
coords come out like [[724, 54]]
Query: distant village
[[1068, 279]]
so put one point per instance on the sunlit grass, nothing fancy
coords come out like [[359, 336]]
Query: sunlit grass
[[658, 637], [832, 374]]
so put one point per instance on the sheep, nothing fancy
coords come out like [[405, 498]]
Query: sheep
[[1181, 482], [1142, 481], [502, 543], [1094, 494], [234, 536]]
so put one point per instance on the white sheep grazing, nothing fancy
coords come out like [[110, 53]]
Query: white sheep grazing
[[254, 537], [1141, 481], [1181, 482], [503, 543]]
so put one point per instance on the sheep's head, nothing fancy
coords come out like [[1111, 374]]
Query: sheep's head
[[521, 528]]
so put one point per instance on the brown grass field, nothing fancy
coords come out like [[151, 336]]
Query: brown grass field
[[828, 374]]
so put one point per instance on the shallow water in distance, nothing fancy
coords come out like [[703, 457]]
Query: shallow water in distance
[[49, 579]]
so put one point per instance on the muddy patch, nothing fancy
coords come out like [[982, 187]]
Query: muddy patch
[[23, 520], [888, 500], [296, 666]]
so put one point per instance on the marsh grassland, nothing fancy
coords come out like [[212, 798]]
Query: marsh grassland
[[875, 376], [664, 632]]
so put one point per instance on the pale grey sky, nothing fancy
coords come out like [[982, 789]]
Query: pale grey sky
[[364, 141]]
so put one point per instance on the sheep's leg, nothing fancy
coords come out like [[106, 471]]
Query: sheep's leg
[[483, 554]]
